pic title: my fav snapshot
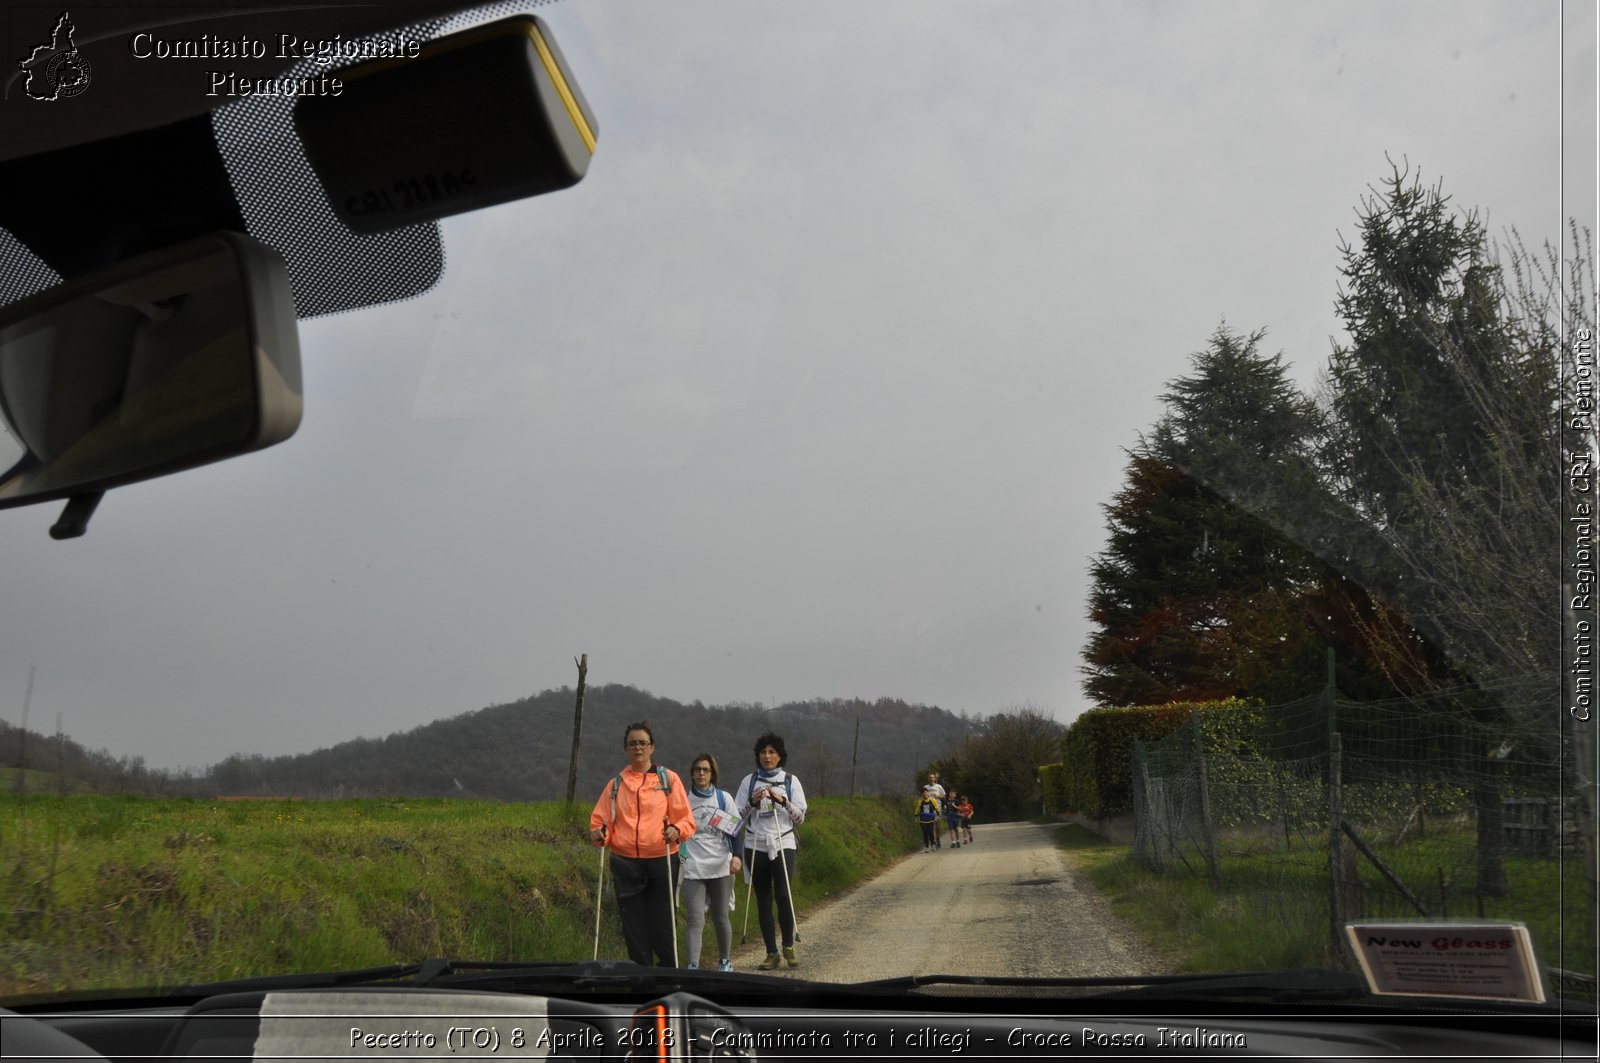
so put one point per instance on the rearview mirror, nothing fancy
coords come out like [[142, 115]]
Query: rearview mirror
[[185, 356]]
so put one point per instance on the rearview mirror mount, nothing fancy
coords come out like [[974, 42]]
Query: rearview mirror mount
[[484, 116]]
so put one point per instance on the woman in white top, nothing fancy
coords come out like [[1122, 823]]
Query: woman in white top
[[773, 803], [710, 861]]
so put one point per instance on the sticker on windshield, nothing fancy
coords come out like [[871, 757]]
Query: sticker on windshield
[[1480, 961]]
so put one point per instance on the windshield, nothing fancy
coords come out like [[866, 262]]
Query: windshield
[[1163, 429]]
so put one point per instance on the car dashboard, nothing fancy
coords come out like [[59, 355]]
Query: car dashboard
[[400, 1023]]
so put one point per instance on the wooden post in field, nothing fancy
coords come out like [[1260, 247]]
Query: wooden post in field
[[577, 727], [22, 739], [855, 752]]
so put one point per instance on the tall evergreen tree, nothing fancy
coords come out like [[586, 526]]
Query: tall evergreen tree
[[1194, 597], [1437, 475], [1443, 431], [1435, 484], [1444, 435]]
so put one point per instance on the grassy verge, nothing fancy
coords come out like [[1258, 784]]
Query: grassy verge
[[29, 780], [1271, 912], [114, 892]]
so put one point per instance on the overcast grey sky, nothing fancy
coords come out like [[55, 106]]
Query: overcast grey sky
[[816, 384]]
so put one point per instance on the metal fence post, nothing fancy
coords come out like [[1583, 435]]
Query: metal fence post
[[1335, 812], [1205, 803], [1335, 845]]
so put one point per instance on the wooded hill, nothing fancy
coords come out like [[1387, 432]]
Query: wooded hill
[[521, 751], [31, 762]]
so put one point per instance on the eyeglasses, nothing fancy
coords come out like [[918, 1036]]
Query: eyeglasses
[[700, 771], [638, 745]]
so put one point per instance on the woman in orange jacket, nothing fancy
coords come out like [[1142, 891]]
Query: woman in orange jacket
[[641, 816]]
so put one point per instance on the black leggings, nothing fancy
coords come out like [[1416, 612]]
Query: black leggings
[[768, 879], [927, 833], [644, 898]]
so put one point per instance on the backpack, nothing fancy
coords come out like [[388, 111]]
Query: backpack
[[788, 786], [616, 784], [661, 773]]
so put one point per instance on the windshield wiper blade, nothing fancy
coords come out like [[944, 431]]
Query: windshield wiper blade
[[603, 974], [448, 973], [1278, 986], [1299, 984], [315, 980]]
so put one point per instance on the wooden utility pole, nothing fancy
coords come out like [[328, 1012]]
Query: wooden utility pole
[[577, 727], [22, 738], [855, 753]]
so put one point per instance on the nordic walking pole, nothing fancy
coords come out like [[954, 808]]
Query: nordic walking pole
[[599, 893], [794, 916], [749, 888], [793, 911], [672, 894]]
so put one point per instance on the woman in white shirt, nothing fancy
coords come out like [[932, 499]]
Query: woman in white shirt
[[773, 803], [710, 861]]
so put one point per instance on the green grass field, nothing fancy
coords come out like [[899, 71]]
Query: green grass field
[[120, 892], [1271, 912], [30, 780]]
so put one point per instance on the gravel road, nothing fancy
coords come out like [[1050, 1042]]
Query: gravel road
[[1008, 904]]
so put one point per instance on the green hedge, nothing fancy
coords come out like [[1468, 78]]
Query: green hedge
[[1097, 751], [1053, 781]]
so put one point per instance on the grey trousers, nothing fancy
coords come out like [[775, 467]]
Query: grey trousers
[[697, 894]]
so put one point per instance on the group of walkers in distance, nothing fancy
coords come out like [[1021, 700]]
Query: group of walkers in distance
[[937, 808], [656, 828]]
